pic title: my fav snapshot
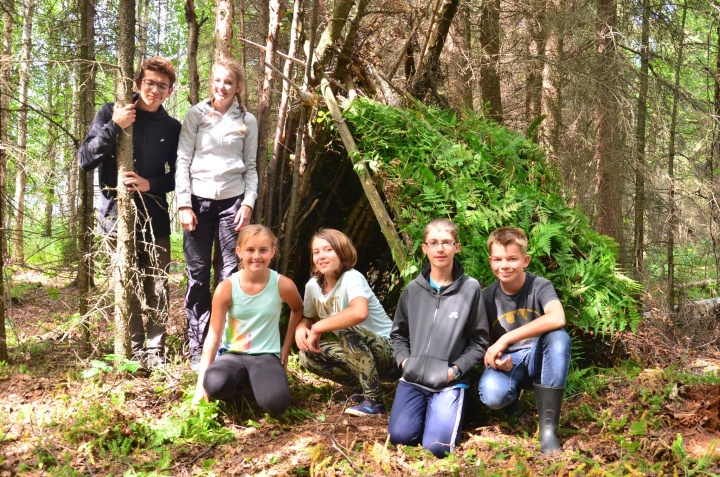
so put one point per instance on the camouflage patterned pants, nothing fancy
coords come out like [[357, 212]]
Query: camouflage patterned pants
[[356, 356]]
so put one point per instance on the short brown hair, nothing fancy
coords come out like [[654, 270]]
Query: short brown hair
[[505, 236], [442, 224], [160, 65], [343, 247]]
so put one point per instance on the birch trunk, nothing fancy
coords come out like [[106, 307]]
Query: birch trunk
[[224, 17]]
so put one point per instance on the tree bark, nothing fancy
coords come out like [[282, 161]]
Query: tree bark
[[429, 76], [672, 142], [264, 102], [607, 160], [490, 58], [224, 17], [21, 176], [4, 101], [86, 180], [193, 35], [5, 76], [640, 131], [549, 133], [341, 10], [124, 256], [536, 53]]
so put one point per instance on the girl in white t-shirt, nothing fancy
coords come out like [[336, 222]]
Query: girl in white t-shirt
[[344, 335], [245, 321]]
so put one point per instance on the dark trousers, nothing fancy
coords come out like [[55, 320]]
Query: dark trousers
[[212, 216], [152, 302], [231, 373]]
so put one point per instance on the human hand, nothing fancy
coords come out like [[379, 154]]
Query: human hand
[[136, 183], [494, 353], [284, 355], [199, 396], [242, 217], [402, 365], [124, 116], [504, 364], [303, 339], [450, 375], [187, 218]]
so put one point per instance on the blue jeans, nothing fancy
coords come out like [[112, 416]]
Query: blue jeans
[[212, 216], [431, 418], [546, 362]]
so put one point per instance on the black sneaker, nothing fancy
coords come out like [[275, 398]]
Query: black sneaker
[[366, 408]]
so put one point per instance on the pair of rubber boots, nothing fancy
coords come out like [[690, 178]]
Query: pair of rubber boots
[[548, 400]]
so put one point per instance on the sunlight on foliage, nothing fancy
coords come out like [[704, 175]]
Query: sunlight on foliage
[[483, 176]]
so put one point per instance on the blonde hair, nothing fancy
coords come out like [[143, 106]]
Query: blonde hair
[[253, 230], [235, 70], [505, 236], [343, 248]]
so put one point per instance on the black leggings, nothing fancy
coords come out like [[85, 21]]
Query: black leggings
[[231, 373]]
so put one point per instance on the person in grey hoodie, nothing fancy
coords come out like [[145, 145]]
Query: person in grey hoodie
[[216, 186], [440, 331]]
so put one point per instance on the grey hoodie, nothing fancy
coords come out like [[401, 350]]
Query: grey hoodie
[[438, 329]]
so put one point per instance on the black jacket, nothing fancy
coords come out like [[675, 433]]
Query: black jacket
[[155, 142], [438, 329]]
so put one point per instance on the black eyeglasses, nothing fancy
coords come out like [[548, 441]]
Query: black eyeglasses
[[444, 245], [162, 87]]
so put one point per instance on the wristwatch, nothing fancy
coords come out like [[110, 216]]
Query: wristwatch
[[456, 371]]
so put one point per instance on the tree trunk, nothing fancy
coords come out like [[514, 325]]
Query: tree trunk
[[141, 16], [50, 181], [640, 131], [672, 204], [549, 133], [346, 54], [607, 160], [86, 182], [4, 101], [489, 58], [193, 34], [536, 53], [6, 77], [341, 10], [224, 17], [21, 176], [429, 76], [275, 178], [124, 256], [714, 164], [264, 103]]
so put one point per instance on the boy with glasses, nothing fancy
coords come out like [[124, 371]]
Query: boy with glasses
[[155, 142], [530, 348], [440, 331]]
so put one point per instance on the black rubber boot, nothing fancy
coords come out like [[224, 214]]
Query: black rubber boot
[[548, 401]]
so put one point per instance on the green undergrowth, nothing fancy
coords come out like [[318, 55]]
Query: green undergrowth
[[483, 176]]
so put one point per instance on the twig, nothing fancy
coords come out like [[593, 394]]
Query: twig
[[283, 55], [339, 448]]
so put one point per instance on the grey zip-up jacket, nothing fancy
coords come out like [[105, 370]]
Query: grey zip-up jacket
[[216, 159], [438, 329]]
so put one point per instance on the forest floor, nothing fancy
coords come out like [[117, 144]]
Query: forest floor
[[655, 412]]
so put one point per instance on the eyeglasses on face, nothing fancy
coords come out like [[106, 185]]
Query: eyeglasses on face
[[150, 84], [444, 245]]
